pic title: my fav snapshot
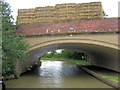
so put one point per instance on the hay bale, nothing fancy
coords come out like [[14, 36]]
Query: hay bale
[[61, 13]]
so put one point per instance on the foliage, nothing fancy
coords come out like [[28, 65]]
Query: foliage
[[74, 54], [78, 62], [104, 14], [50, 55], [13, 45], [39, 62], [67, 54], [46, 55], [6, 16], [70, 55], [116, 79]]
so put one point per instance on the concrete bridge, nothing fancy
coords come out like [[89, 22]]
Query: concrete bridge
[[103, 49]]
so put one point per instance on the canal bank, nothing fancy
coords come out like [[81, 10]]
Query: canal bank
[[77, 62], [56, 74], [107, 76], [29, 68], [103, 75]]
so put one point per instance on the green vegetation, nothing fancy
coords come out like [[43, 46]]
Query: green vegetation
[[66, 54], [78, 62], [104, 14], [39, 62], [69, 55], [116, 79], [13, 46]]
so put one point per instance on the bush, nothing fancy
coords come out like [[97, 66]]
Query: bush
[[13, 46]]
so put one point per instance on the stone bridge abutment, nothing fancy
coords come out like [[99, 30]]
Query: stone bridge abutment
[[103, 49]]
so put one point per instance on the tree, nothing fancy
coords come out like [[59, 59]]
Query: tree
[[66, 54], [57, 55], [13, 46], [46, 55], [53, 53], [6, 16], [72, 54], [78, 55], [104, 14]]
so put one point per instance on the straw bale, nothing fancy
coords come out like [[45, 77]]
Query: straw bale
[[26, 10], [95, 3], [61, 13], [60, 6], [49, 8], [39, 8]]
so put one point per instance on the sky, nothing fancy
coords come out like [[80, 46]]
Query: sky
[[109, 6]]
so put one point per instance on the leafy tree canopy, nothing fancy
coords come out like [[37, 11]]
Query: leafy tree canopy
[[13, 46]]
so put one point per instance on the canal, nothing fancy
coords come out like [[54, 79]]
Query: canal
[[56, 74]]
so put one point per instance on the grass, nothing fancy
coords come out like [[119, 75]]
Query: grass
[[116, 79], [78, 62]]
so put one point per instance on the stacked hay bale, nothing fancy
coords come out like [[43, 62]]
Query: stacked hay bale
[[91, 10], [26, 16], [49, 14], [65, 12], [45, 15], [61, 13], [39, 14], [96, 10], [71, 11]]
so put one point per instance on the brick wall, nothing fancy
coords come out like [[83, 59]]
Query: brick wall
[[100, 25]]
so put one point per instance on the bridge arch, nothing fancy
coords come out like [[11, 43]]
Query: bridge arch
[[102, 53], [74, 40]]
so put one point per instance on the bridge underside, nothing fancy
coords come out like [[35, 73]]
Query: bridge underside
[[101, 56]]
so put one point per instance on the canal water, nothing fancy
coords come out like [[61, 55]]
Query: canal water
[[56, 74]]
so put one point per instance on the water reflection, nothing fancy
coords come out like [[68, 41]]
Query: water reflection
[[56, 74], [55, 70]]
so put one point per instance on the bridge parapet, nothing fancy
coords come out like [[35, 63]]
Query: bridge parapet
[[107, 40], [99, 25]]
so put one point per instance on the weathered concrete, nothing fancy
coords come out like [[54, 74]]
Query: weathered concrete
[[100, 77], [108, 40], [102, 48]]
